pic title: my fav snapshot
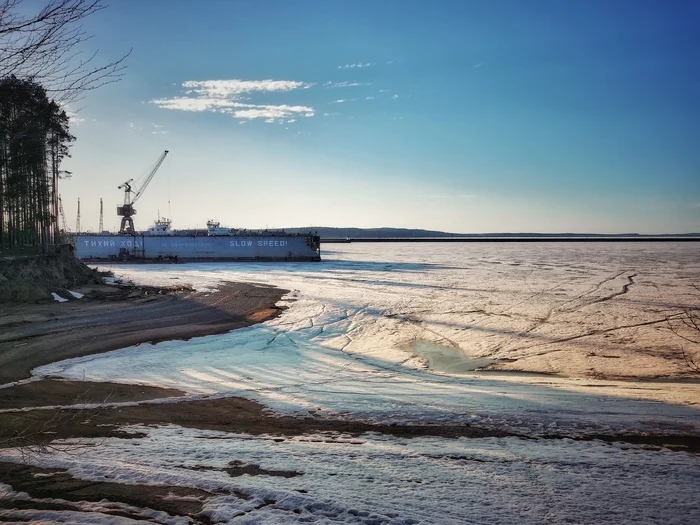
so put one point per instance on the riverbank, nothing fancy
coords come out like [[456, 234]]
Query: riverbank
[[110, 318]]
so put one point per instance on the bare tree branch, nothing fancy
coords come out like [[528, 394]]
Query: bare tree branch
[[46, 47]]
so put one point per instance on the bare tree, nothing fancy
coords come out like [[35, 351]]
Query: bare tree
[[45, 46]]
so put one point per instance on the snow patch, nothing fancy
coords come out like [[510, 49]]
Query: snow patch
[[58, 298]]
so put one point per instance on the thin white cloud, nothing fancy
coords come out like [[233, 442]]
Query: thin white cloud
[[226, 96], [229, 88], [192, 104], [157, 129], [73, 117], [332, 114], [268, 112], [478, 65], [358, 65], [394, 97], [343, 100], [369, 98], [347, 83]]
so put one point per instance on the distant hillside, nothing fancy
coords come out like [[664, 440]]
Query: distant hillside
[[373, 233], [328, 232]]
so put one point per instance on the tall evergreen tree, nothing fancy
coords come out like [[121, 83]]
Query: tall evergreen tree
[[34, 138]]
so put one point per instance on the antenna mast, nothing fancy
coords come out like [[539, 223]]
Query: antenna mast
[[77, 220], [100, 229]]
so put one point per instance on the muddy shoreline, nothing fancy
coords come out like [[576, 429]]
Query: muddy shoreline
[[39, 334]]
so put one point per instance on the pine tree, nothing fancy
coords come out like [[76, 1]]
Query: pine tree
[[34, 138]]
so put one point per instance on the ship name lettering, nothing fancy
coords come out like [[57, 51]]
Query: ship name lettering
[[101, 242], [129, 244], [237, 242]]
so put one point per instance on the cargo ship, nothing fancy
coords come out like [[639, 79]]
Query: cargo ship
[[162, 244]]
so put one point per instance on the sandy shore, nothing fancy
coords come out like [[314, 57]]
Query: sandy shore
[[38, 334]]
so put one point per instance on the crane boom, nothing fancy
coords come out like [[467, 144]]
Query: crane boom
[[150, 177], [127, 210]]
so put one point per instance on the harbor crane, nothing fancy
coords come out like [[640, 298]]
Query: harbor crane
[[127, 210], [63, 215]]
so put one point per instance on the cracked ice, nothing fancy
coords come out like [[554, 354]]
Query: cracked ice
[[349, 345]]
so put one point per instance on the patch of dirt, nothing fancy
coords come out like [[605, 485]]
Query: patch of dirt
[[56, 483], [52, 392], [238, 468], [231, 414]]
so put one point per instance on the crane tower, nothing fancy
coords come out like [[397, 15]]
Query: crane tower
[[63, 215], [101, 227], [127, 211]]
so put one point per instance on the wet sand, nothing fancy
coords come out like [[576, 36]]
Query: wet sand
[[39, 334]]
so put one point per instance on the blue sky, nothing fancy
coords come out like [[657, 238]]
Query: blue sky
[[463, 116]]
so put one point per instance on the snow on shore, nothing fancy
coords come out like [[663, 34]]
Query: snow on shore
[[385, 480], [354, 343]]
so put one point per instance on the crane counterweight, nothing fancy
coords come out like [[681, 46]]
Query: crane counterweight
[[127, 211]]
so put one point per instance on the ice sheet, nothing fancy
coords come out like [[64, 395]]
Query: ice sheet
[[354, 342], [345, 344]]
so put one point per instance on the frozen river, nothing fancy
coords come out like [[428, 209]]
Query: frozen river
[[393, 333]]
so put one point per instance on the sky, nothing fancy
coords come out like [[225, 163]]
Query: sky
[[461, 116]]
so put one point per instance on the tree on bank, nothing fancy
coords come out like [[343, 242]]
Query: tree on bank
[[42, 67], [34, 139]]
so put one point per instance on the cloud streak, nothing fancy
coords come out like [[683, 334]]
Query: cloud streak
[[347, 83], [229, 88], [225, 96], [357, 65]]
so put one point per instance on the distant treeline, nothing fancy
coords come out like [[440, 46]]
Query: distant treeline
[[34, 139], [405, 233]]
